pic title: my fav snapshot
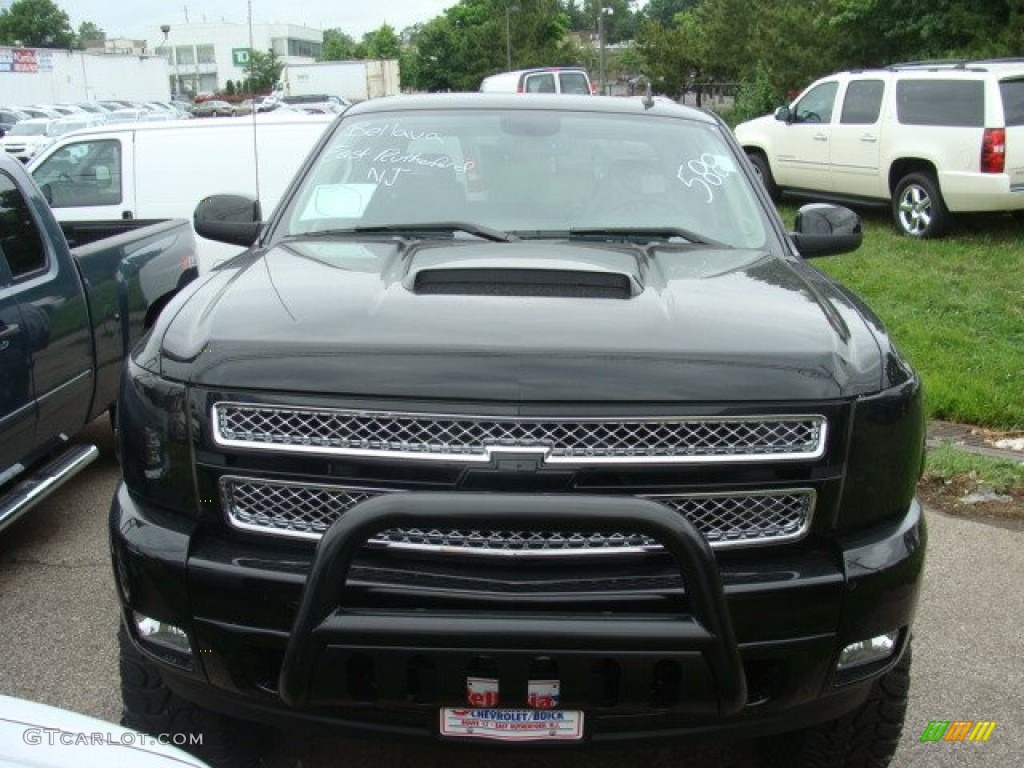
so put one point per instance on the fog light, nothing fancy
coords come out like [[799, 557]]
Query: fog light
[[870, 651], [159, 633]]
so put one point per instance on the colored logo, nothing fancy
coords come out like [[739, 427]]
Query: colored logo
[[958, 730]]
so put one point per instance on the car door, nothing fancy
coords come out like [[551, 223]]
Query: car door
[[89, 179], [17, 406], [854, 154], [802, 144], [53, 322]]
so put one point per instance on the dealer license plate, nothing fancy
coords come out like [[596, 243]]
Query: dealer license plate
[[513, 724]]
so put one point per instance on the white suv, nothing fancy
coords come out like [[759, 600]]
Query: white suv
[[928, 138]]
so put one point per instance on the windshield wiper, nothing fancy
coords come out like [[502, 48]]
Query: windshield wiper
[[478, 230], [645, 234]]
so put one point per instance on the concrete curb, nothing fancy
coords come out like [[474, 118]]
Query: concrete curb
[[967, 438]]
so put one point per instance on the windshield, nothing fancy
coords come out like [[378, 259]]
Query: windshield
[[531, 173]]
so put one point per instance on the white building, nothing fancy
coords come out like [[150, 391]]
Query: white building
[[203, 57], [54, 75]]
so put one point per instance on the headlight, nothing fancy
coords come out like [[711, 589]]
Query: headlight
[[886, 449], [153, 430]]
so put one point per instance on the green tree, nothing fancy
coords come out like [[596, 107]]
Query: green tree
[[382, 43], [338, 46], [457, 49], [664, 11], [88, 32], [230, 88], [263, 71], [36, 24]]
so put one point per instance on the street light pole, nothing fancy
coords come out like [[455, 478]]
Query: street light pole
[[600, 36], [508, 35]]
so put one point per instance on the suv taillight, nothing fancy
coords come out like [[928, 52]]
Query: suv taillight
[[993, 150]]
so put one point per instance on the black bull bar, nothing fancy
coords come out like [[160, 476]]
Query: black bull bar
[[322, 623]]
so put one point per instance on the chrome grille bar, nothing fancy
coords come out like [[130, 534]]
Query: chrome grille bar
[[306, 511], [652, 440]]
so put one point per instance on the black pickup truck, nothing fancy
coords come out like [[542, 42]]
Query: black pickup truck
[[68, 317], [522, 421]]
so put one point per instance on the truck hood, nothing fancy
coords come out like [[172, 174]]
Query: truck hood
[[539, 320]]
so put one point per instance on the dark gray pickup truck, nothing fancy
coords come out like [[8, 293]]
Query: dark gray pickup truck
[[68, 317], [523, 421]]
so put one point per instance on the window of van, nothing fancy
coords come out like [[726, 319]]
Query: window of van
[[574, 82], [543, 82], [862, 103], [1012, 92], [959, 103], [82, 174]]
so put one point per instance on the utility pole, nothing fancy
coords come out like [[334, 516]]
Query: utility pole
[[508, 34]]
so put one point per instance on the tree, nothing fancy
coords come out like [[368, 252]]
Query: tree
[[263, 71], [88, 32], [664, 11], [36, 24], [338, 46], [382, 43]]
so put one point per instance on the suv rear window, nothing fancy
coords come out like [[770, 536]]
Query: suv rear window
[[941, 102], [574, 82], [1012, 92]]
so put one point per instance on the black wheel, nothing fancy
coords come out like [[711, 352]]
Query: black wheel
[[865, 738], [918, 208], [764, 172], [151, 707]]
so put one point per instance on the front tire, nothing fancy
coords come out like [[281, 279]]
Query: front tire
[[864, 738], [918, 208], [151, 707], [763, 171]]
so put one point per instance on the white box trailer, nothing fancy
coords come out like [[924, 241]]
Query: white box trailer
[[353, 80]]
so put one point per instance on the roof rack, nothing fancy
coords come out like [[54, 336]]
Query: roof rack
[[975, 64], [928, 63]]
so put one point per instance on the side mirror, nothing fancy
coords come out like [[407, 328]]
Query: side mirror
[[822, 229], [783, 115], [233, 219]]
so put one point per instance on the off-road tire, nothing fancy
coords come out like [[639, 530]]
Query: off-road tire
[[918, 209], [865, 738], [764, 172], [151, 707]]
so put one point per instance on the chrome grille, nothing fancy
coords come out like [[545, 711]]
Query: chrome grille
[[477, 439], [725, 519]]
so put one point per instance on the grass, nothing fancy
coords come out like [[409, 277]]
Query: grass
[[1001, 475], [955, 307]]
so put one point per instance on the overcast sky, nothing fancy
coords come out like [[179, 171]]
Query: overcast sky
[[134, 17]]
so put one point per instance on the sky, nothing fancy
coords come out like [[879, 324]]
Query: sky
[[356, 17]]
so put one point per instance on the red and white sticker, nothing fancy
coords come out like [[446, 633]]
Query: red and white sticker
[[513, 724], [481, 692], [543, 694]]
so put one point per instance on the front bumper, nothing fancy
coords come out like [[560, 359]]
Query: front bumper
[[748, 645]]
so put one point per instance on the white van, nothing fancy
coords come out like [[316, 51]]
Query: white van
[[162, 170], [567, 80]]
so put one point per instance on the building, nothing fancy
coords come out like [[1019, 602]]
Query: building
[[204, 56], [54, 75]]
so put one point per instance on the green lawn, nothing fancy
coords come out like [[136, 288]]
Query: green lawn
[[954, 306]]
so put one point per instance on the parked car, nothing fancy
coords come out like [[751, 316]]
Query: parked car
[[9, 117], [213, 108], [26, 138], [35, 735], [568, 80], [244, 107], [111, 173], [68, 316], [523, 419], [927, 139]]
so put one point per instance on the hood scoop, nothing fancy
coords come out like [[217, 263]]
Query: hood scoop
[[524, 269]]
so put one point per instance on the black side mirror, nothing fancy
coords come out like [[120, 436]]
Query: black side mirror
[[233, 219], [822, 229], [783, 115]]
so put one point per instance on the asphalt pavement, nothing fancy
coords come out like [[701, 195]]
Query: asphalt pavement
[[59, 616]]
